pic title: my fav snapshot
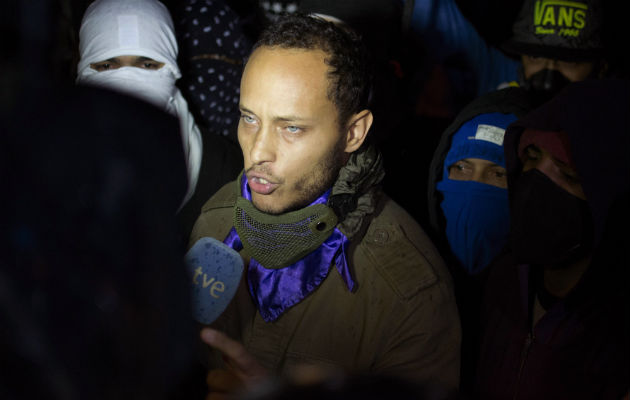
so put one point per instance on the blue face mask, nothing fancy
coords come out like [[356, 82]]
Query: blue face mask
[[477, 221]]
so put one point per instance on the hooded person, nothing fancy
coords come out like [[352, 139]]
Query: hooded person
[[468, 204], [555, 315], [129, 46]]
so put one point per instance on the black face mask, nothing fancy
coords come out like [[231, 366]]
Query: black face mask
[[546, 82], [550, 227]]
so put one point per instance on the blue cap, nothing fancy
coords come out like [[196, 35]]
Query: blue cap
[[480, 137]]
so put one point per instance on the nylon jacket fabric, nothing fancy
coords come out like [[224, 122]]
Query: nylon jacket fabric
[[449, 34], [579, 348]]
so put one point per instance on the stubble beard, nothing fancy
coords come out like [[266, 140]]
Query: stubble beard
[[314, 183]]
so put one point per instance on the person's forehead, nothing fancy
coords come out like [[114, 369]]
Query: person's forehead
[[286, 73], [288, 58]]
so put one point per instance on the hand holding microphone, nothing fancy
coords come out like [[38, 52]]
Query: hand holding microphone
[[215, 272]]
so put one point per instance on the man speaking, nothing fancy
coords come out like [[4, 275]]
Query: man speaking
[[336, 273]]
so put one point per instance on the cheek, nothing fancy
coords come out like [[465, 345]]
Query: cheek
[[531, 67], [244, 142], [298, 162], [577, 73]]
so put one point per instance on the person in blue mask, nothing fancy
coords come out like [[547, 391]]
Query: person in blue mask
[[468, 187], [468, 202], [474, 188]]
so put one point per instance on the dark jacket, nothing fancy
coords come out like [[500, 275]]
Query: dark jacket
[[401, 320], [579, 348]]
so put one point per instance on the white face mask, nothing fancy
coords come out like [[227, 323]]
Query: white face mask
[[153, 86]]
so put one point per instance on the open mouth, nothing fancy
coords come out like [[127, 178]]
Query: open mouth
[[261, 185]]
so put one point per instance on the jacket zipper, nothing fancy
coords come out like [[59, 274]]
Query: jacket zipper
[[529, 340]]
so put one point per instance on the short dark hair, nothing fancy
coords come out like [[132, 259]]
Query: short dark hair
[[350, 76]]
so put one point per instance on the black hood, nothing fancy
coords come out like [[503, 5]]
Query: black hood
[[515, 101], [594, 114]]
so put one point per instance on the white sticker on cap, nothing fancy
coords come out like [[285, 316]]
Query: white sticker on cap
[[490, 133], [128, 35]]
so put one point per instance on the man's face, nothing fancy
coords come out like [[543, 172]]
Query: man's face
[[292, 144], [573, 71], [126, 61], [478, 170]]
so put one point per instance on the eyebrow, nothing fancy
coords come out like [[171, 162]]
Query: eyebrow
[[109, 60], [285, 118], [141, 59], [537, 148]]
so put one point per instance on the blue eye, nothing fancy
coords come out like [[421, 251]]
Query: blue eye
[[248, 119], [293, 129]]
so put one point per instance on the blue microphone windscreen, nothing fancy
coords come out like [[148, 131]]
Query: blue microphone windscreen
[[215, 272]]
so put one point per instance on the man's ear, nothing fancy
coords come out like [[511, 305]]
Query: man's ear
[[358, 127]]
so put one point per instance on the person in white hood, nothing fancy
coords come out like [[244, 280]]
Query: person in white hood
[[129, 46]]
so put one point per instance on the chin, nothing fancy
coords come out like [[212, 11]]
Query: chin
[[276, 208], [268, 206]]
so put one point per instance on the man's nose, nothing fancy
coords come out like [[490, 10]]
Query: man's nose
[[478, 175], [263, 148]]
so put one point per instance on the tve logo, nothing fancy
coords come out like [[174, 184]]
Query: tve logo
[[215, 272], [563, 18]]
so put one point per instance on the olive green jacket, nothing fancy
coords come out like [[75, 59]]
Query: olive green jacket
[[400, 320]]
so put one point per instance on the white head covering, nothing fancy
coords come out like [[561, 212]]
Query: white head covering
[[112, 28]]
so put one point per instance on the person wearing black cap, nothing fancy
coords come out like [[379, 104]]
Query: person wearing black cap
[[555, 316], [558, 43], [554, 43]]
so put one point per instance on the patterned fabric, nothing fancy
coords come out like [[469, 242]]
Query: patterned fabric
[[273, 9], [213, 48]]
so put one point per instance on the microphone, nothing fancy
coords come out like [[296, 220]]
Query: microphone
[[215, 272]]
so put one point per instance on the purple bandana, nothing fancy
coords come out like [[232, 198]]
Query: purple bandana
[[276, 290]]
